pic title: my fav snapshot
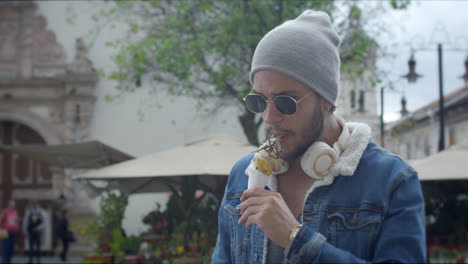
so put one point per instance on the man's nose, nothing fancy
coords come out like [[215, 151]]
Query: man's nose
[[271, 115]]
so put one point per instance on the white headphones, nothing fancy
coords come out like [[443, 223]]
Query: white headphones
[[319, 159]]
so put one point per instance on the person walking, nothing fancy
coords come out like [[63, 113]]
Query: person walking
[[33, 226], [63, 234], [9, 221]]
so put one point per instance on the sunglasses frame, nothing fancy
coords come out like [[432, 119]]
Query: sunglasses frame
[[273, 101]]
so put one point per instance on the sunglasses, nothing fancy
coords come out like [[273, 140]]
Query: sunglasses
[[285, 104]]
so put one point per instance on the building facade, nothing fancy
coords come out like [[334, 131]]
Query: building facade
[[416, 135], [43, 100]]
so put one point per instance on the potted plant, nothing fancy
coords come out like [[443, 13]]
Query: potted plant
[[101, 229], [193, 245]]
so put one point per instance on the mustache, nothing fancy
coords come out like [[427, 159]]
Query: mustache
[[272, 130]]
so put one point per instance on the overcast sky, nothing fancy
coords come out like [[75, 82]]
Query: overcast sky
[[422, 26]]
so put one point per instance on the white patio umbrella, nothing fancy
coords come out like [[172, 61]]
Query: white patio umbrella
[[210, 159], [449, 164]]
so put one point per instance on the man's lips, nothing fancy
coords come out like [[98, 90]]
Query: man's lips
[[280, 136]]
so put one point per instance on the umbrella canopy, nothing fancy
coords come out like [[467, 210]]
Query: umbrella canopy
[[86, 155], [209, 159], [450, 164]]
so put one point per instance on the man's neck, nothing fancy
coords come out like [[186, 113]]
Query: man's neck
[[293, 186], [331, 131]]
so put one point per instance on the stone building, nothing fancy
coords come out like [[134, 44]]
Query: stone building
[[416, 135], [43, 100]]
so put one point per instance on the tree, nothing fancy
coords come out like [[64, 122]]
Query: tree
[[203, 48]]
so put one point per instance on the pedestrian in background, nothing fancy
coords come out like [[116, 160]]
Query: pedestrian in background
[[9, 222], [63, 234], [33, 226]]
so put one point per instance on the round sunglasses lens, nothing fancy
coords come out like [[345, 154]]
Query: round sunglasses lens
[[255, 103], [285, 105]]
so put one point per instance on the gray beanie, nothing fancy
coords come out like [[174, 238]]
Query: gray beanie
[[306, 49]]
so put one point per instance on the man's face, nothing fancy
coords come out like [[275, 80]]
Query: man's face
[[295, 132]]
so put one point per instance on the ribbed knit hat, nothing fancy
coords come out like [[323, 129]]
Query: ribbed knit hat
[[306, 49]]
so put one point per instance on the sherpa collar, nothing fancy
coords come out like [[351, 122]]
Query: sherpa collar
[[358, 141]]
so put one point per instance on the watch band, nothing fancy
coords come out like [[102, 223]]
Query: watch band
[[294, 232]]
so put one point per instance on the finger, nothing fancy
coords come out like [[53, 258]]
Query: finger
[[253, 201], [248, 212], [253, 220], [254, 192]]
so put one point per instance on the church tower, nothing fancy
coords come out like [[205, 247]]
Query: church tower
[[357, 101]]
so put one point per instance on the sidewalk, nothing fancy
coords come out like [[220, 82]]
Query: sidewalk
[[47, 260]]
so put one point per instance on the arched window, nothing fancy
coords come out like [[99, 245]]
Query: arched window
[[361, 101]]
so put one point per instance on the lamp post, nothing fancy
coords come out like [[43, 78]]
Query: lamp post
[[382, 124], [441, 101]]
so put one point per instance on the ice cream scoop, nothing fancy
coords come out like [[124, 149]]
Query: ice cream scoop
[[265, 162]]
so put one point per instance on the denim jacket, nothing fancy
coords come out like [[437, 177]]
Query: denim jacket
[[370, 210]]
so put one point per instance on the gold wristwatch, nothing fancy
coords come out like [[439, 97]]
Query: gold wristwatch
[[294, 232]]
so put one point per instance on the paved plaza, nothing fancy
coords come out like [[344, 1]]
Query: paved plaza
[[47, 259]]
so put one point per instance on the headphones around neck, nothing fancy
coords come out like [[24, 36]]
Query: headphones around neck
[[319, 159]]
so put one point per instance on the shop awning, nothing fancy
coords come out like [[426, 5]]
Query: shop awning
[[449, 164], [210, 160], [86, 155]]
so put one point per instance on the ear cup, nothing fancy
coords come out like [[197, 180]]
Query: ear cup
[[318, 160]]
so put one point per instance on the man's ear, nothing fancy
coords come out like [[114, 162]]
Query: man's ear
[[326, 106]]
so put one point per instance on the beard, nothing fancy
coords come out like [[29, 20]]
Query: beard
[[307, 138]]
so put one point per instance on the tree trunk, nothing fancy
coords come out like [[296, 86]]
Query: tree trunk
[[247, 121]]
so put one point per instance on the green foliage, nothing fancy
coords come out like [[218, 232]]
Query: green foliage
[[400, 4], [203, 48], [191, 220], [121, 245], [111, 213], [89, 230], [101, 228], [112, 209], [117, 244], [187, 213]]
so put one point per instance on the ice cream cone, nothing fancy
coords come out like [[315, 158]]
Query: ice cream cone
[[256, 178]]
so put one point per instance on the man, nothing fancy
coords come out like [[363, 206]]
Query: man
[[63, 233], [9, 222], [343, 198], [33, 225]]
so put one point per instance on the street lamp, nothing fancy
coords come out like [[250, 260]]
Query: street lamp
[[403, 111], [412, 77]]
